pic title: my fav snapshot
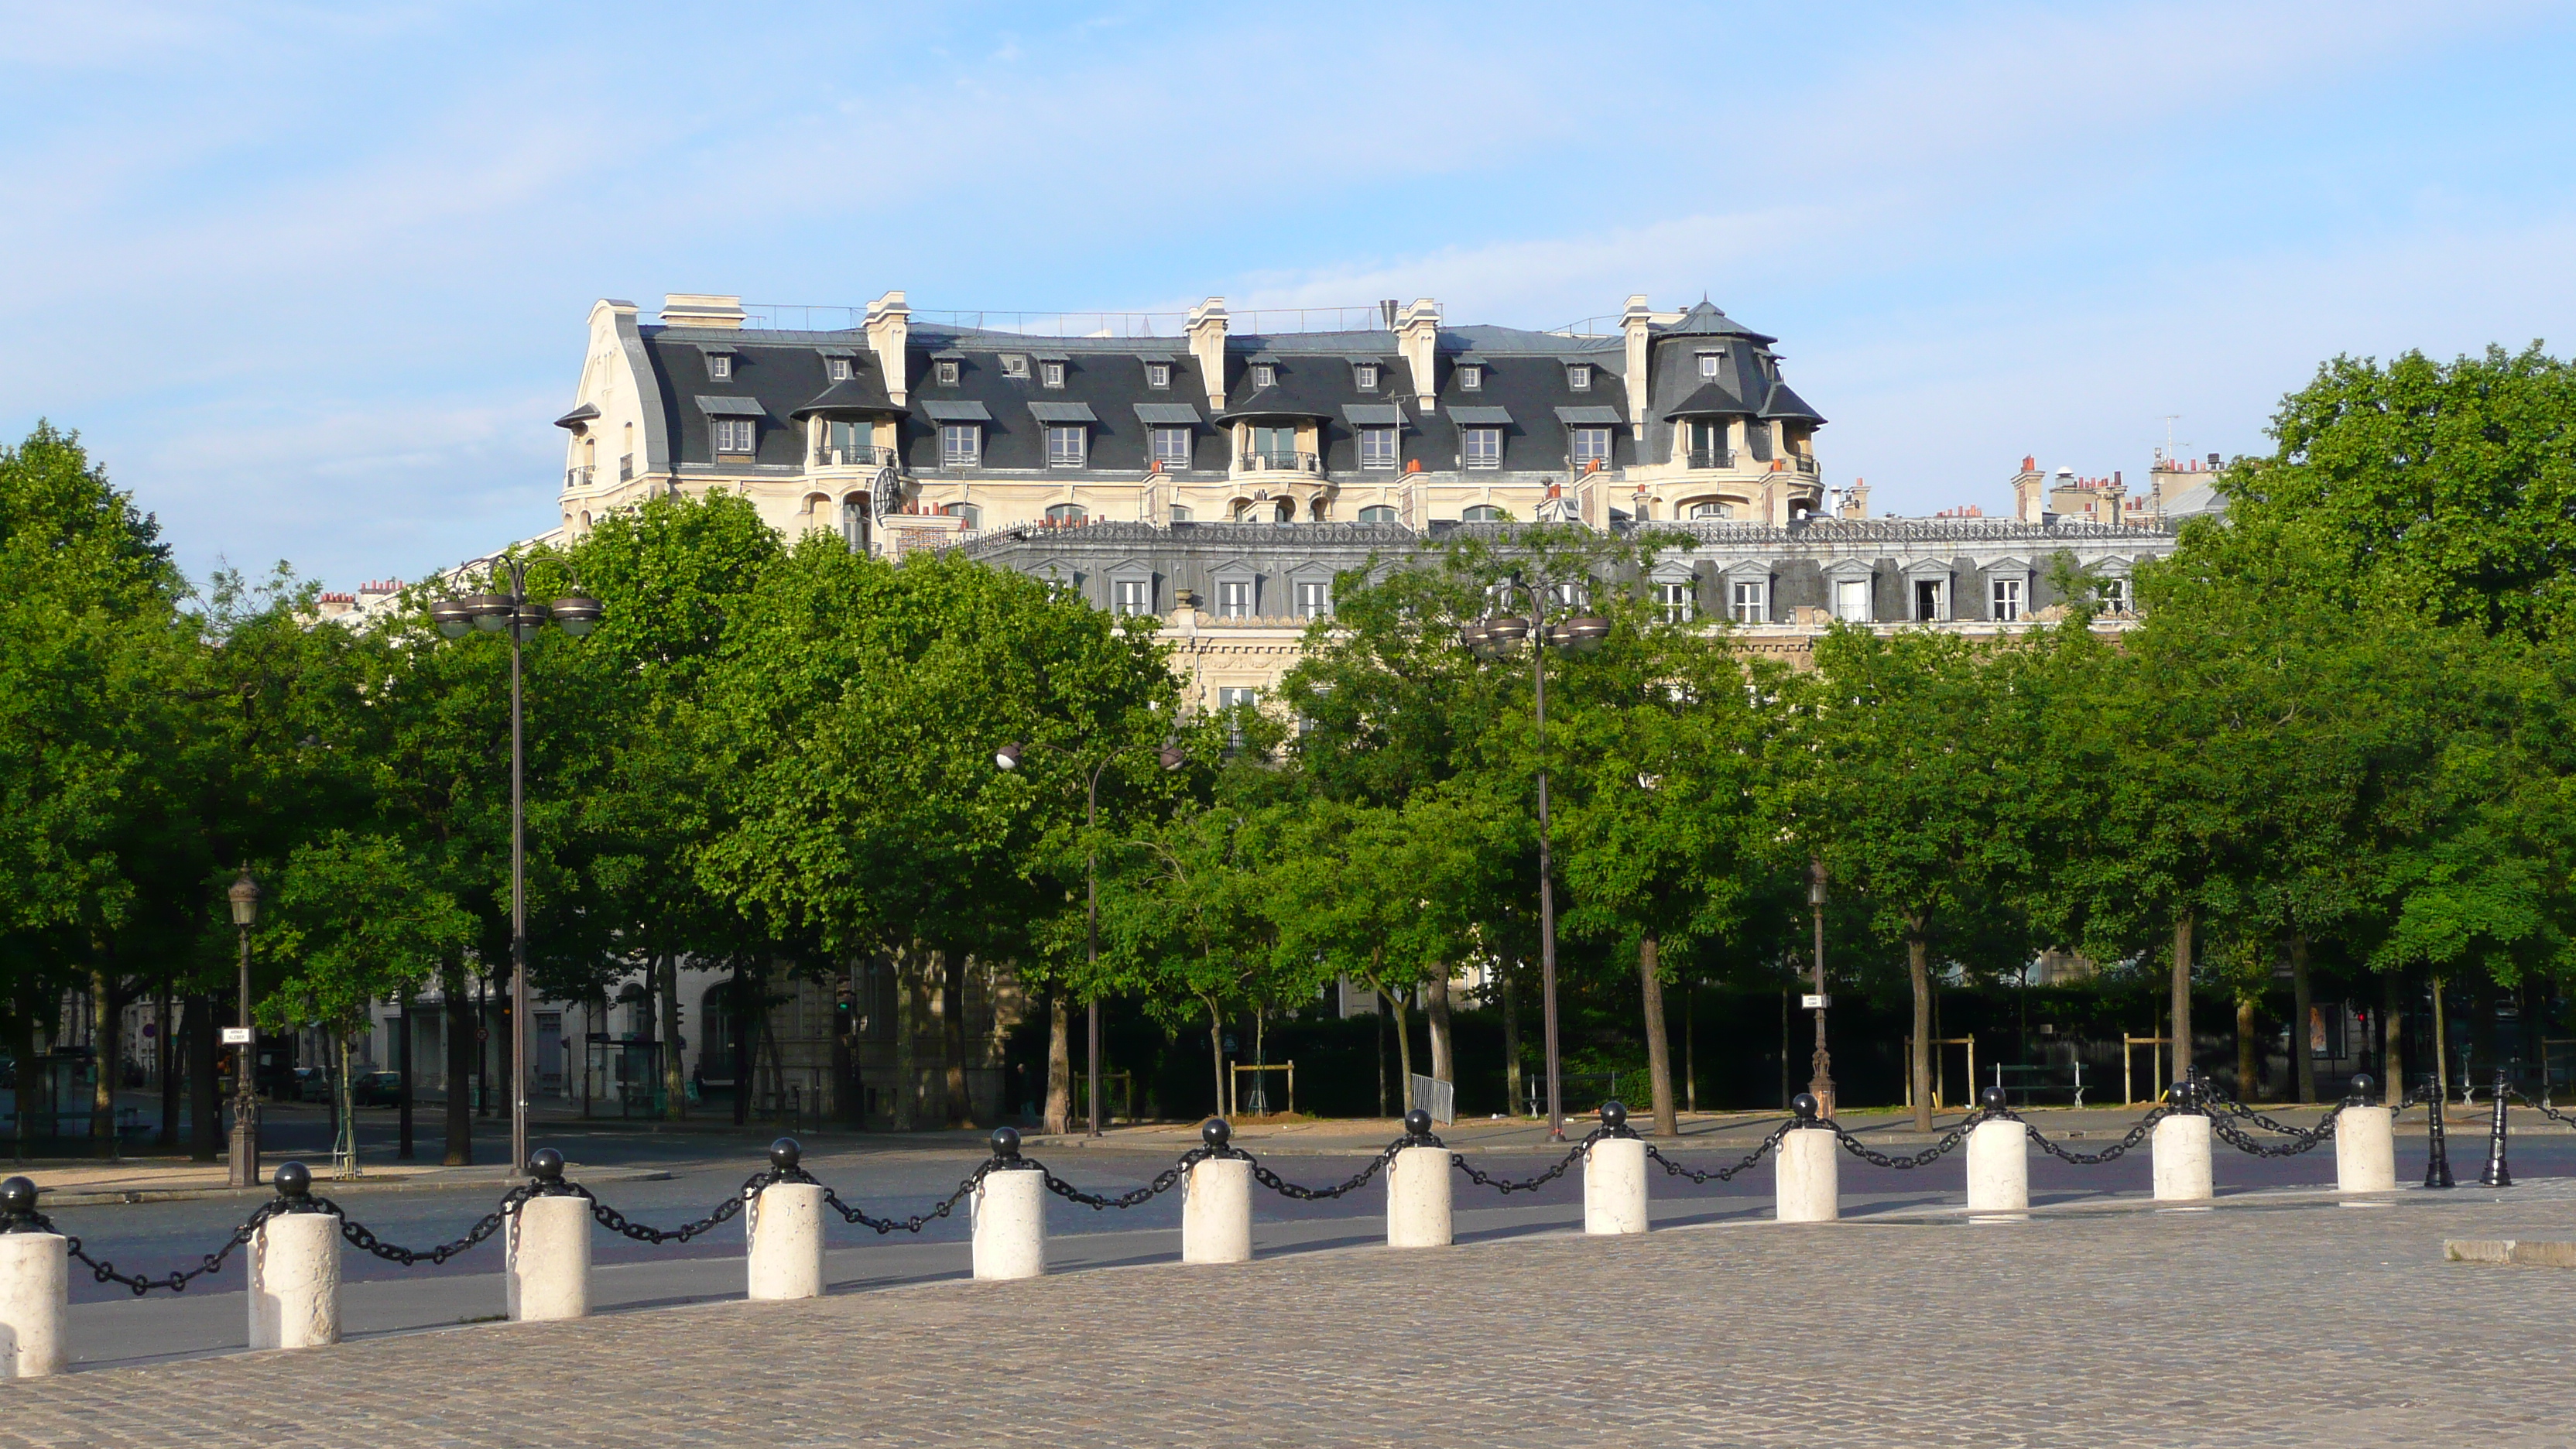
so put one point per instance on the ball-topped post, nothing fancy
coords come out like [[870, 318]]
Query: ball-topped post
[[1006, 1146], [1992, 1099], [35, 1287], [1803, 1106], [17, 1205], [1417, 1125], [1216, 1199], [546, 1168], [1216, 1135], [1614, 1117], [785, 1153], [294, 1181], [2365, 1141], [2358, 1094]]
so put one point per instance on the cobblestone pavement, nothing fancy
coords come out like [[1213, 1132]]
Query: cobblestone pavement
[[2282, 1322]]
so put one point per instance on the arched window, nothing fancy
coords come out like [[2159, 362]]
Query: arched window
[[1066, 513], [1377, 513], [972, 513], [1712, 508], [1480, 513]]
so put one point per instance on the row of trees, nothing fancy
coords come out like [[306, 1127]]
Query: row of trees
[[2339, 737]]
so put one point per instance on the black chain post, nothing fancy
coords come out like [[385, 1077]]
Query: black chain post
[[546, 1175], [2437, 1158], [2357, 1093], [1614, 1120], [294, 1184], [18, 1207], [1417, 1130], [2497, 1174], [1217, 1136]]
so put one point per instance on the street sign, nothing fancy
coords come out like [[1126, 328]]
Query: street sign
[[1812, 1002], [237, 1036]]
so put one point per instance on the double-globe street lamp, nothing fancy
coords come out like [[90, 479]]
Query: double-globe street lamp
[[1494, 637], [1170, 757], [518, 616]]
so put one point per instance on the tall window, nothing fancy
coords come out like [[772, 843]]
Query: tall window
[[1677, 600], [1377, 447], [1158, 374], [853, 443], [1927, 600], [1591, 445], [1065, 446], [719, 366], [1314, 600], [854, 523], [1130, 596], [1051, 374], [1708, 364], [1234, 599], [733, 435], [1708, 444], [837, 368], [1752, 601], [1851, 600], [1365, 374], [2007, 599], [961, 445], [1377, 513], [1274, 447], [2115, 596], [973, 514], [1480, 447], [1230, 698], [1067, 513], [1172, 448]]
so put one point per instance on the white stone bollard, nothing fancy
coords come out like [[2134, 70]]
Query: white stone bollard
[[1614, 1186], [783, 1233], [1999, 1167], [1216, 1211], [35, 1291], [2182, 1159], [1808, 1181], [1417, 1198], [2365, 1150], [295, 1273], [1009, 1211], [546, 1259]]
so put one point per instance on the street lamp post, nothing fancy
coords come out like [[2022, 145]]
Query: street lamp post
[[244, 1171], [1821, 1084], [1493, 637], [518, 616], [1172, 757]]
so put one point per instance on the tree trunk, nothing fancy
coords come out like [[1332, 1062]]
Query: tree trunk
[[1216, 1051], [952, 1036], [1059, 1096], [2392, 1040], [1918, 969], [1659, 1050], [675, 1078], [2181, 999], [1435, 1010], [2303, 1058], [106, 1045], [166, 1046], [2249, 1071], [1511, 1044], [1403, 1043], [205, 1110], [461, 1048]]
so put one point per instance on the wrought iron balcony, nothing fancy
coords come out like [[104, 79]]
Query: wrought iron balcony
[[1269, 461], [578, 477], [1712, 457], [862, 457]]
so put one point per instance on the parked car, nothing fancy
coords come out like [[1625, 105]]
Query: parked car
[[376, 1089], [307, 1084]]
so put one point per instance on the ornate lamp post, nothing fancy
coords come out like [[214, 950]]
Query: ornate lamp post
[[1496, 636], [515, 614], [1170, 757], [1821, 1085], [244, 1170]]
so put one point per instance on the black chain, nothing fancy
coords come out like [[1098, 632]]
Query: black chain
[[2136, 1135], [2323, 1129], [1924, 1158], [175, 1281], [1534, 1184], [2244, 1141], [616, 1222], [1285, 1188], [1164, 1181], [365, 1241], [2543, 1107], [917, 1221], [1722, 1174]]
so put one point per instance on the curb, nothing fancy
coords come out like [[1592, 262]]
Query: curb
[[77, 1197]]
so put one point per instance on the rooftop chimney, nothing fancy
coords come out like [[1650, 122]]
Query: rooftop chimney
[[1207, 348], [889, 325], [1417, 336], [702, 309]]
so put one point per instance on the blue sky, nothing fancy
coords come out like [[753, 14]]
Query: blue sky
[[311, 280]]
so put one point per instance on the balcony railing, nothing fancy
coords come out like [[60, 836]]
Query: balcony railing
[[1712, 457], [578, 477], [854, 458], [1275, 462], [1803, 464]]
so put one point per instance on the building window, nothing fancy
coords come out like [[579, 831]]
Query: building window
[[1263, 374], [2115, 596], [1752, 600], [1273, 448], [1014, 365], [1377, 513], [734, 435], [972, 513], [1708, 364], [2007, 599], [1051, 374], [1480, 447], [1851, 600], [1928, 601], [1314, 600], [837, 368], [1158, 374], [1066, 513], [719, 366], [1172, 449], [1230, 698], [1366, 376], [947, 371], [1180, 513], [1591, 448], [1377, 447], [1130, 596], [1480, 513], [961, 445], [1234, 599], [1579, 377], [1712, 508], [1066, 446], [1678, 601], [1471, 379]]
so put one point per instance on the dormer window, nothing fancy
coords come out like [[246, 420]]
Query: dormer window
[[837, 368], [1264, 374], [1014, 365], [1158, 374], [1471, 378], [1578, 376], [1365, 375], [719, 366], [1051, 373], [947, 373], [1708, 363]]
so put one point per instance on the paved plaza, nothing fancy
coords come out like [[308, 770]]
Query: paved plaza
[[2269, 1319]]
